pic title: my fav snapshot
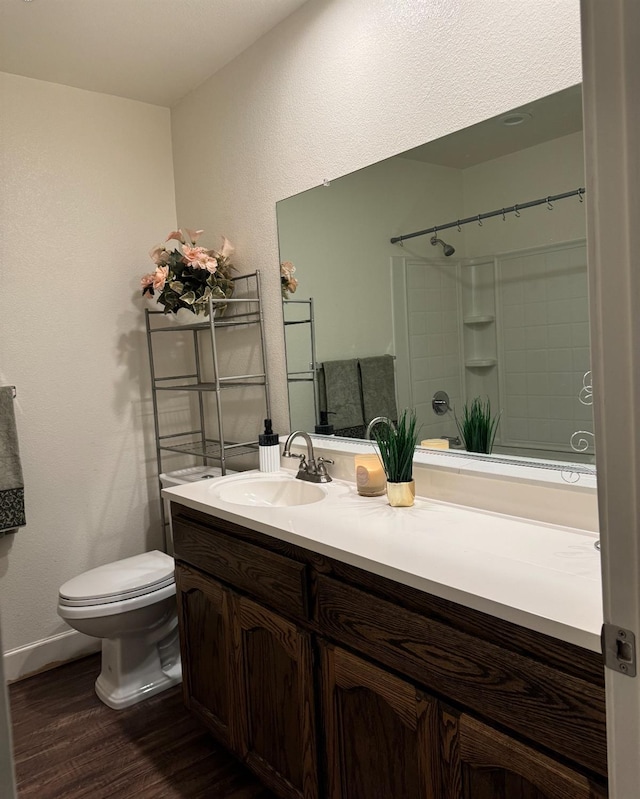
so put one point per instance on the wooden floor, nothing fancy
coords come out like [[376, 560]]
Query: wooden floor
[[69, 745]]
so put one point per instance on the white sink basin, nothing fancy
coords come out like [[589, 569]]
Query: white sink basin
[[270, 492]]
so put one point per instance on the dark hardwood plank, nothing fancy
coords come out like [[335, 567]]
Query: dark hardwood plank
[[68, 745]]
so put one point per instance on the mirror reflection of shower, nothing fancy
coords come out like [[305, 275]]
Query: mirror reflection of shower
[[448, 249], [486, 294]]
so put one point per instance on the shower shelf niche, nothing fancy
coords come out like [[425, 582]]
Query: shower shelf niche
[[479, 319], [480, 363]]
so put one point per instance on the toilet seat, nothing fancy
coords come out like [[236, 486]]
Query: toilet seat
[[120, 582]]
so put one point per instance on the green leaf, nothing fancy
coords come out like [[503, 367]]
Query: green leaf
[[478, 426]]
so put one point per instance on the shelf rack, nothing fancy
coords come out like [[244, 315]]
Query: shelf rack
[[239, 311], [309, 375]]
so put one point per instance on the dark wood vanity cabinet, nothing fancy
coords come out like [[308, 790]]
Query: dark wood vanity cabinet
[[248, 674], [277, 705], [487, 764], [333, 683], [380, 732], [205, 622]]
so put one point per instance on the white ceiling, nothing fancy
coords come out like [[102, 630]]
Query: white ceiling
[[549, 118], [151, 50]]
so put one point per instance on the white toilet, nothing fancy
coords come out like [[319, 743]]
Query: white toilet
[[131, 605]]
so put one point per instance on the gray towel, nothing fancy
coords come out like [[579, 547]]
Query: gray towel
[[342, 387], [11, 484], [378, 387]]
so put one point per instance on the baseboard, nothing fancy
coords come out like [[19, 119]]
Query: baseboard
[[47, 653]]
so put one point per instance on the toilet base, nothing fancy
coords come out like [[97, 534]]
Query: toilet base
[[134, 670]]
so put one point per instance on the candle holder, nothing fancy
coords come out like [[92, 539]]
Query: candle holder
[[370, 477]]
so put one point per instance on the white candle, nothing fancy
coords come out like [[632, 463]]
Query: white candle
[[435, 443], [370, 477]]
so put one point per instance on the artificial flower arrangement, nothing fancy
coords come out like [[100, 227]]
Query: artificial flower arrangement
[[188, 278], [288, 283]]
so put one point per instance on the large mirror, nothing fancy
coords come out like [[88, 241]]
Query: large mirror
[[495, 308]]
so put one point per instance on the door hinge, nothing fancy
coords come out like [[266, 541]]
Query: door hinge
[[619, 649]]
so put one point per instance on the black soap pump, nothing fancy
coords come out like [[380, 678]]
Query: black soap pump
[[324, 428], [268, 449]]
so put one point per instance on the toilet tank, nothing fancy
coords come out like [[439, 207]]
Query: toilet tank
[[181, 476]]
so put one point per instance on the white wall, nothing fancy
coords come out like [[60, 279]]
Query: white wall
[[338, 239], [87, 190], [340, 85], [550, 168]]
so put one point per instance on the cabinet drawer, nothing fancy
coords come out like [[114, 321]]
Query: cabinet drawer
[[540, 702], [276, 580]]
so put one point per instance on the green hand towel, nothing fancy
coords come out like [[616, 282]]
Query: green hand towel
[[342, 386], [11, 484], [378, 387]]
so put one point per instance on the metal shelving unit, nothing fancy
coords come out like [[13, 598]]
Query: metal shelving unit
[[206, 441], [309, 375]]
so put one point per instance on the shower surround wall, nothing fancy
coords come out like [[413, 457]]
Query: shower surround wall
[[513, 329], [543, 350]]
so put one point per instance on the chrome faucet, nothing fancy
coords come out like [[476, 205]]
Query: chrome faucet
[[374, 422], [310, 469]]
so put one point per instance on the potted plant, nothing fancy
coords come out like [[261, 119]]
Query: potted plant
[[478, 426], [397, 445]]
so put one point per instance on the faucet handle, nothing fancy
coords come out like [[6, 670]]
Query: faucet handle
[[322, 469], [287, 454]]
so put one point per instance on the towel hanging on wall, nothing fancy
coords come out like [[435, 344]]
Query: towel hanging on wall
[[378, 387], [11, 484]]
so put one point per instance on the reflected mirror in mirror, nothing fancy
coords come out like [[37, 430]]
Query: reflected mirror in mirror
[[494, 308]]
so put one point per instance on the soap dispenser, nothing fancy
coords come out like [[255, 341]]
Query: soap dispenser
[[324, 428], [268, 449]]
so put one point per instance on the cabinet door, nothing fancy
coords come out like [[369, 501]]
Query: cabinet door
[[275, 665], [206, 645], [381, 733], [487, 764]]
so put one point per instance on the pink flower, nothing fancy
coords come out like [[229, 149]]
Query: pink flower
[[194, 235], [175, 235], [146, 281], [292, 285], [158, 254], [287, 269], [199, 258], [159, 277]]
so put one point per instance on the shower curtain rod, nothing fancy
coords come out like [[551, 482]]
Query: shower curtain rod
[[499, 212]]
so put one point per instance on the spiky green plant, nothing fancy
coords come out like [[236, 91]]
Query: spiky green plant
[[397, 447], [478, 426]]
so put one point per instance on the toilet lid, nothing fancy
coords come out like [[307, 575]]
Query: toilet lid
[[123, 579]]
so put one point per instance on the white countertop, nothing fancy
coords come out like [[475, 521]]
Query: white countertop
[[540, 576]]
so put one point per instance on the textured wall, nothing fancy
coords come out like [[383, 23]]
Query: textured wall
[[340, 85], [87, 189]]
